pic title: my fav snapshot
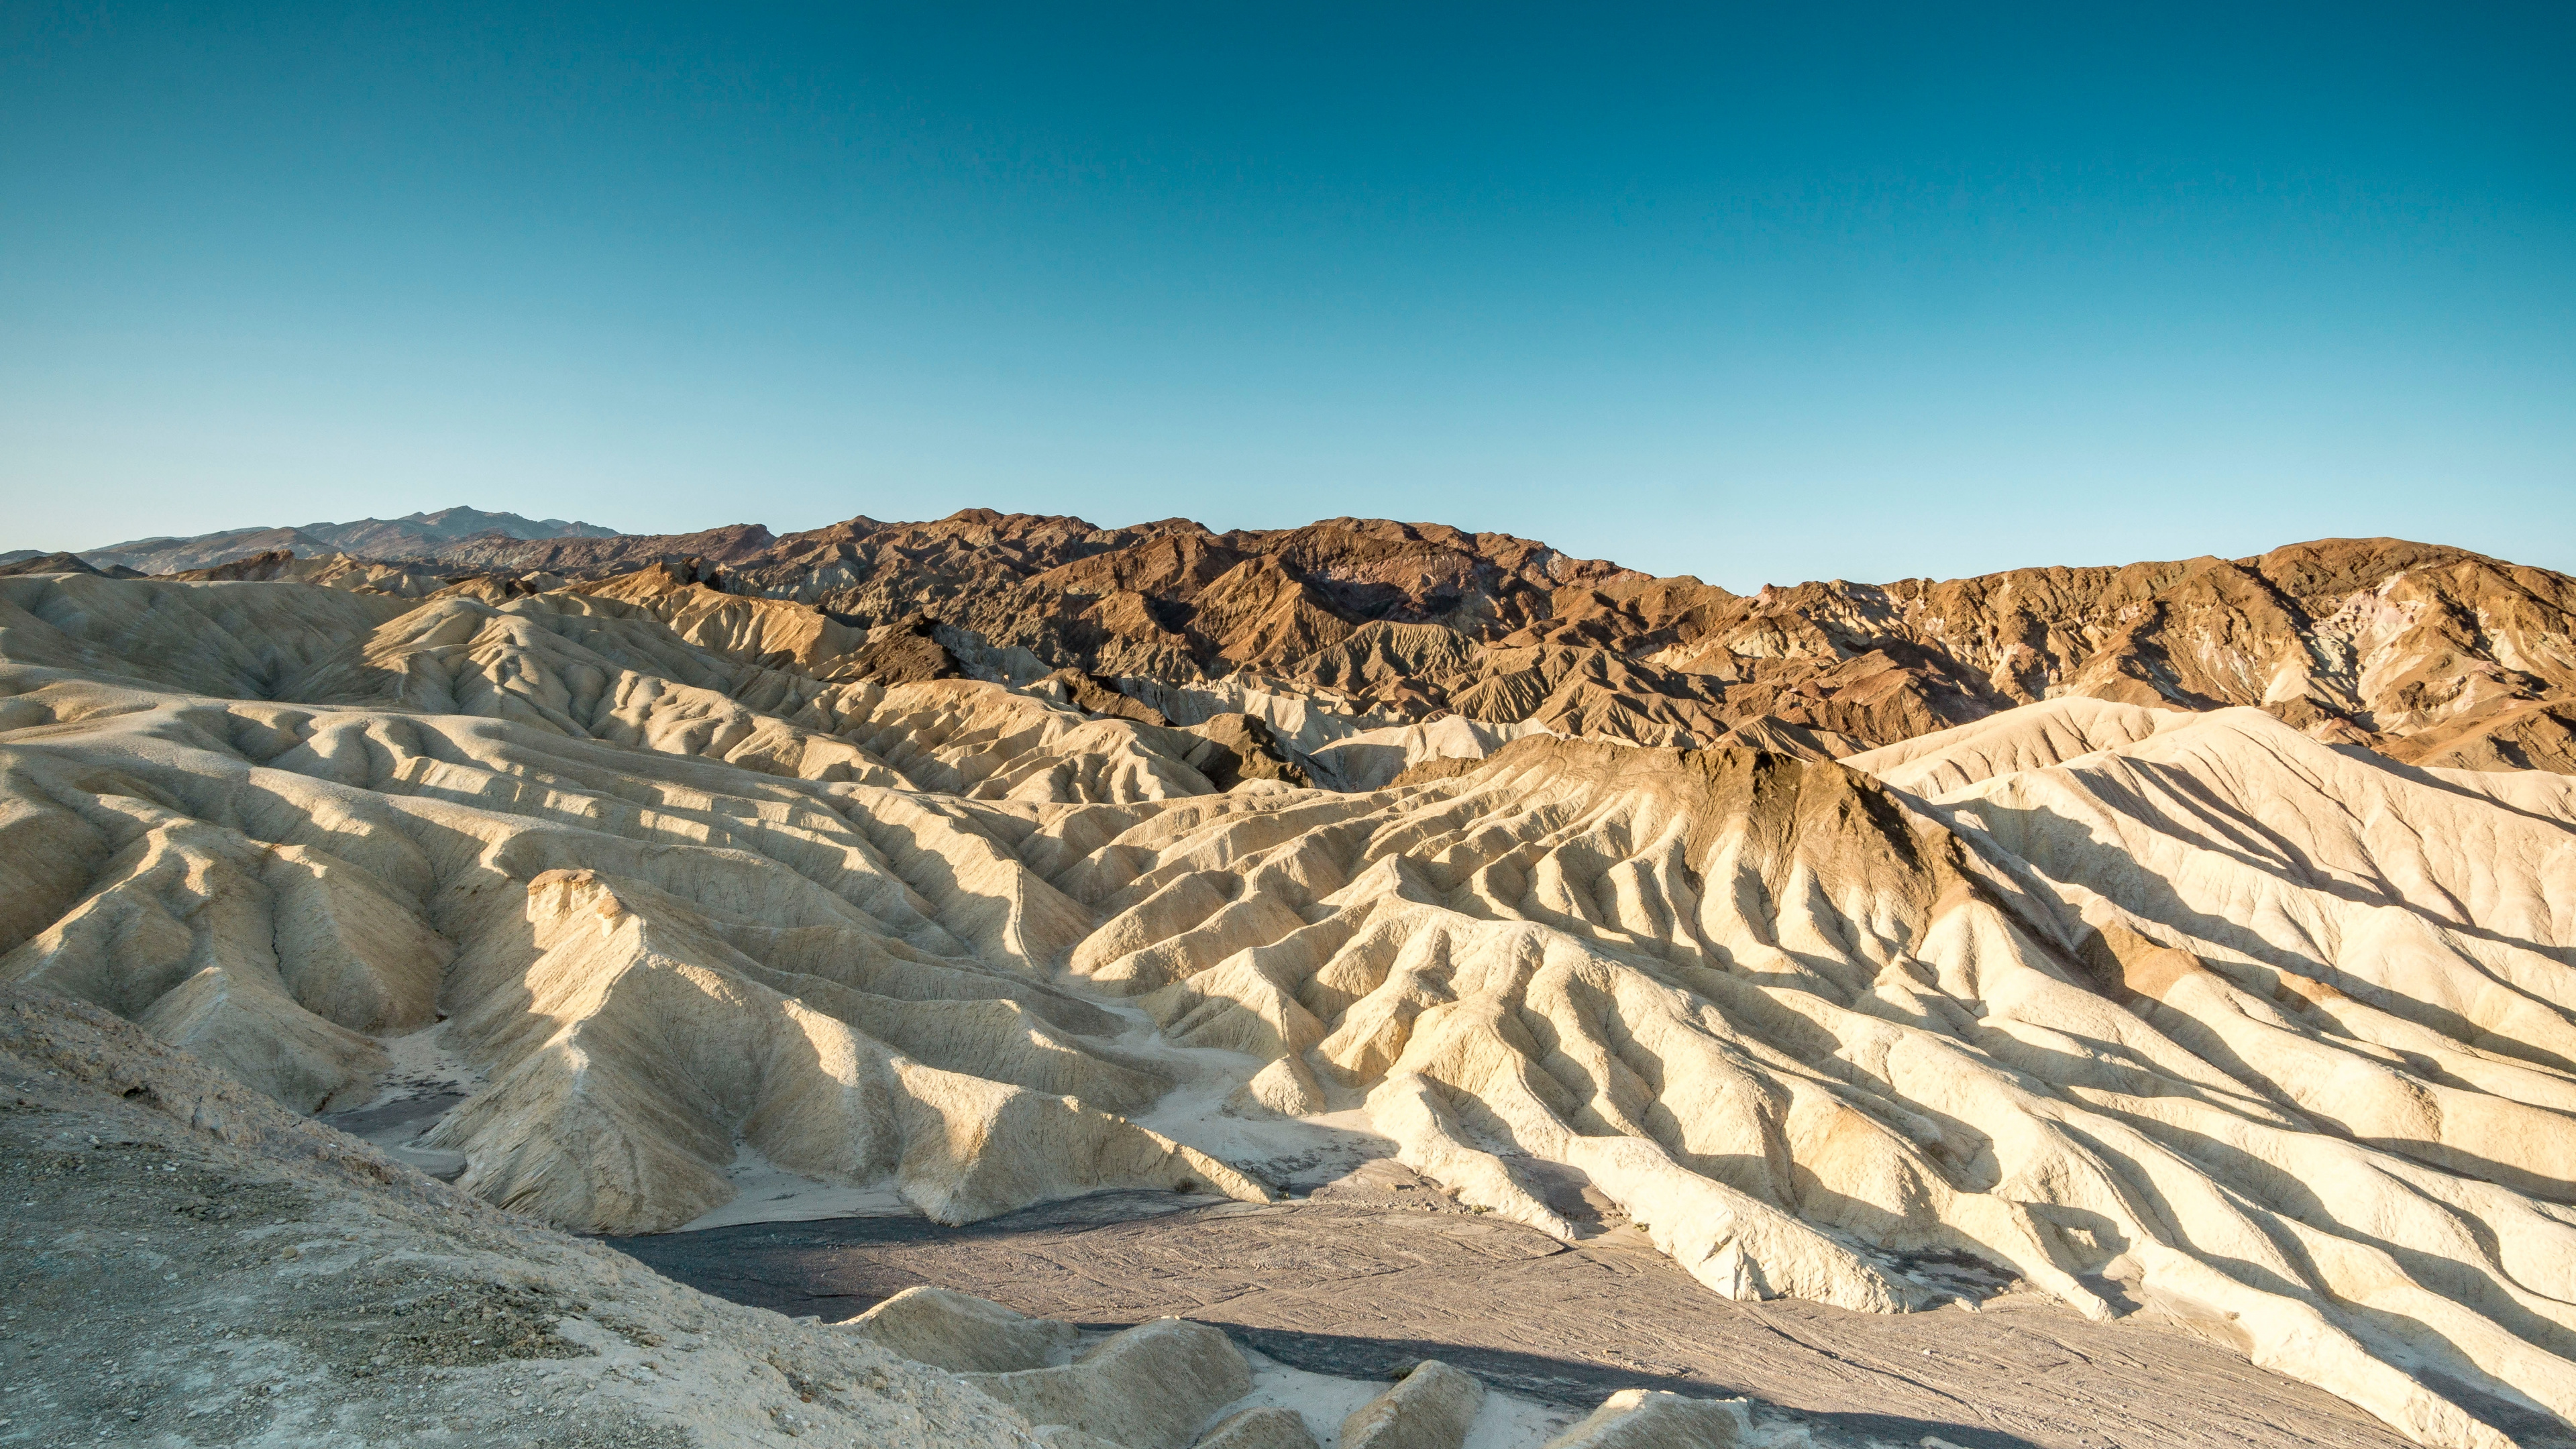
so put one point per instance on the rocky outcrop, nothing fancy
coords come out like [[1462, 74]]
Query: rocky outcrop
[[903, 652], [1652, 1419], [2503, 734], [1151, 1387], [964, 1334], [1240, 747], [2138, 1006], [330, 570], [324, 1283], [1431, 1407], [1269, 1427], [1093, 694], [2371, 640], [63, 563], [2363, 641]]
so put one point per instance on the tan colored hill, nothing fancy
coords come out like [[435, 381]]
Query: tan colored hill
[[299, 1287], [2373, 636], [2156, 1011], [2363, 640], [60, 563], [417, 536], [332, 570], [2369, 635]]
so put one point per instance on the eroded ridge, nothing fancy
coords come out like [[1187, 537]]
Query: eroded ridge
[[2143, 1025], [2134, 1006]]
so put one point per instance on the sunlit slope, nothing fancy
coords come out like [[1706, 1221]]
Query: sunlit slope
[[653, 953], [583, 667], [2139, 1006], [1812, 1039]]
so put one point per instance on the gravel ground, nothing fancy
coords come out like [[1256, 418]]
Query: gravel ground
[[183, 1263], [1360, 1282]]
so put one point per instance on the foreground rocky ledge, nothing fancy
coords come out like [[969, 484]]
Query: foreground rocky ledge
[[190, 1265]]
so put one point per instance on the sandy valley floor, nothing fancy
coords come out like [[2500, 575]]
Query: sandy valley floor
[[1358, 1282]]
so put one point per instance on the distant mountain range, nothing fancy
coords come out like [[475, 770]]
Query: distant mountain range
[[417, 536], [2432, 654], [968, 866]]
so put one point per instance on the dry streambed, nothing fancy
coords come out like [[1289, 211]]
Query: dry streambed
[[187, 1264], [2180, 1014], [1362, 1280]]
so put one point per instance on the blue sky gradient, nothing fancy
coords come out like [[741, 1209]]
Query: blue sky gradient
[[1868, 291]]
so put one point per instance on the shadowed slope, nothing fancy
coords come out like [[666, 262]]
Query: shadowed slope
[[2133, 1005], [845, 979], [1808, 1039]]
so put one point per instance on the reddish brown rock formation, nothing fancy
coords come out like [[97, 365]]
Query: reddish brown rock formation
[[2358, 641]]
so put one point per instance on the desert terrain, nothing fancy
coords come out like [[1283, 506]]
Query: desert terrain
[[484, 980]]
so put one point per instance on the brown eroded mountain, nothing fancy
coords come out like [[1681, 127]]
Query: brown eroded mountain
[[2356, 640], [2433, 654], [639, 905]]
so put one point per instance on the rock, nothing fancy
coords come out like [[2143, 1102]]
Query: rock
[[418, 1308], [1239, 748], [1268, 1427], [52, 563], [1975, 996], [1286, 1086], [1410, 621], [963, 1333], [904, 652], [1098, 695], [1431, 1408], [2501, 735], [1151, 1387], [418, 536], [1653, 1419], [327, 569], [1060, 1436]]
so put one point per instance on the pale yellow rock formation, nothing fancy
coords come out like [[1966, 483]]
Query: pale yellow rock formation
[[2134, 1006], [654, 968], [1429, 1408], [1803, 1034], [1269, 1427], [962, 1333], [1653, 1419], [1152, 1387], [2021, 739]]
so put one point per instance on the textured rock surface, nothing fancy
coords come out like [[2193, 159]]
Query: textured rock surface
[[2136, 1006], [1430, 1408], [963, 1334], [1647, 1419], [60, 563], [1264, 1428], [417, 536], [2366, 640], [1152, 1387], [191, 1264]]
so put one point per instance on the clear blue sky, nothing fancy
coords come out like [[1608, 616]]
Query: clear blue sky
[[1757, 293]]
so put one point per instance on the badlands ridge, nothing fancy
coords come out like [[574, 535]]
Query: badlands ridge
[[2196, 937]]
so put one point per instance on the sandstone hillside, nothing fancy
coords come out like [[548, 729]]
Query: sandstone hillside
[[627, 894]]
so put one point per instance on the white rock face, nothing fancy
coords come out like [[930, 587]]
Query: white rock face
[[1270, 1427], [1430, 1408], [962, 1333], [1652, 1419], [2137, 1007], [1152, 1387]]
